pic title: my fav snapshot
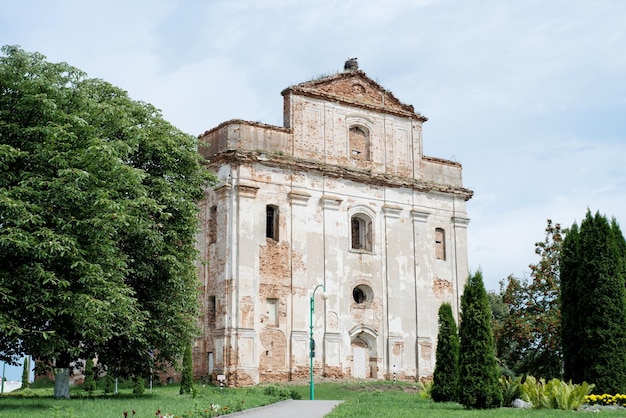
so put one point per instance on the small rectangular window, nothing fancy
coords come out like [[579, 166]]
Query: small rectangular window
[[213, 225], [271, 222], [211, 312], [440, 244]]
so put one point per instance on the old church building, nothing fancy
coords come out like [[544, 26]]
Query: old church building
[[340, 196]]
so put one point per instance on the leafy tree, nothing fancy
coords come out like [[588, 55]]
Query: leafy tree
[[593, 304], [478, 370], [528, 338], [90, 376], [98, 219], [446, 374], [186, 382]]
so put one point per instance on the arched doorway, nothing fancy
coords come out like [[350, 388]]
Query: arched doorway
[[364, 352], [360, 359]]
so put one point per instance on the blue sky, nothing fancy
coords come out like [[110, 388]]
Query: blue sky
[[529, 95]]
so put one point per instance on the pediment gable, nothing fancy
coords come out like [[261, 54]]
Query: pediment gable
[[354, 87]]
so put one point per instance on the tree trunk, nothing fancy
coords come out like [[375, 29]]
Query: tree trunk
[[62, 383]]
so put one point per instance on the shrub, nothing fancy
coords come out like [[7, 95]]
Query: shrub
[[478, 370], [186, 382], [446, 374], [425, 389], [280, 393], [555, 394], [90, 376], [511, 389], [109, 384], [138, 386]]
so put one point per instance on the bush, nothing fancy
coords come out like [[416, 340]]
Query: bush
[[280, 393], [109, 384], [186, 382], [446, 374], [138, 387], [478, 369], [42, 382], [511, 389], [425, 389], [555, 394], [90, 376]]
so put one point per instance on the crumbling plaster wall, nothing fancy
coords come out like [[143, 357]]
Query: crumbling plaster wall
[[398, 324]]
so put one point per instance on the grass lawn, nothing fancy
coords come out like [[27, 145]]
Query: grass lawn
[[362, 399], [35, 403]]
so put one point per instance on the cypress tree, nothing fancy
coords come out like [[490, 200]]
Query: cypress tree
[[90, 376], [138, 385], [109, 383], [478, 369], [186, 381], [446, 374], [25, 373], [593, 304]]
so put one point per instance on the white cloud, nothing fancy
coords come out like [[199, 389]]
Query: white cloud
[[527, 95]]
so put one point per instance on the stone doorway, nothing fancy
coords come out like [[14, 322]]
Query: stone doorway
[[360, 359]]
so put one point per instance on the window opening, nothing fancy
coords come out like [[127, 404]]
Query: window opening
[[213, 225], [271, 222], [361, 233], [362, 294], [440, 243], [359, 143], [211, 312]]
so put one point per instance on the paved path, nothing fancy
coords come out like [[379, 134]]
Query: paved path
[[290, 409]]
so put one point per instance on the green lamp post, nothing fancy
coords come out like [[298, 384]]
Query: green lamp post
[[324, 296]]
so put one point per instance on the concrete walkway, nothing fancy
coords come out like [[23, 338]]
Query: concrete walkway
[[290, 409]]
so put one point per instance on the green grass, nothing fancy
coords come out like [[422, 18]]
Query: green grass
[[361, 399], [401, 400], [35, 403]]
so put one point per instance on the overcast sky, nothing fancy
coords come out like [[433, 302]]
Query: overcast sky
[[529, 95]]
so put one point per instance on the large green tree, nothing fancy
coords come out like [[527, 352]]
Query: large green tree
[[593, 304], [98, 220], [446, 374], [528, 337], [478, 370]]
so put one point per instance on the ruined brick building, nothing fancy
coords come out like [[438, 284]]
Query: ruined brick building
[[340, 196]]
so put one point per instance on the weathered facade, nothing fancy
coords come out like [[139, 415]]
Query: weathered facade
[[341, 196]]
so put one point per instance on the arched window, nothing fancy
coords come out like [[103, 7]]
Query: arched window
[[359, 143], [361, 232], [440, 243]]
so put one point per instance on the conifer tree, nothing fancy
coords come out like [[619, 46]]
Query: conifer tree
[[109, 383], [593, 304], [25, 373], [186, 382], [446, 374], [138, 385], [478, 369], [90, 376]]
